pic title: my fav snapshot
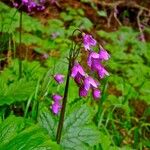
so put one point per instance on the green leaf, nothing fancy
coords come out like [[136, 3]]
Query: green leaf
[[48, 121], [79, 133], [102, 13], [17, 91], [32, 138], [9, 128]]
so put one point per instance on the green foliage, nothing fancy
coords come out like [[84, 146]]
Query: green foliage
[[32, 137], [14, 90], [129, 55], [48, 121], [112, 123], [76, 18], [78, 133], [10, 128]]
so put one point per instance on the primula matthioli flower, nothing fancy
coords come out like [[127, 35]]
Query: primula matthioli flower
[[57, 98], [88, 41], [59, 78], [94, 62], [102, 72], [30, 5], [89, 82], [82, 92], [56, 107], [78, 78], [93, 56], [96, 93], [76, 70], [103, 54]]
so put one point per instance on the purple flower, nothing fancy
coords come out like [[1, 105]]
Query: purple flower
[[94, 62], [57, 98], [59, 78], [96, 93], [89, 82], [83, 92], [103, 55], [92, 56], [88, 41], [76, 70], [25, 1], [40, 8], [78, 78], [31, 5], [102, 72], [56, 108]]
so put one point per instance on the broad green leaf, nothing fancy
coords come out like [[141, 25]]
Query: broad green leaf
[[32, 138], [9, 128], [79, 133], [48, 121], [17, 91]]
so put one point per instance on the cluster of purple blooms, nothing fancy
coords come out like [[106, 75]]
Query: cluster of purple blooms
[[94, 61], [56, 106], [84, 81], [30, 5]]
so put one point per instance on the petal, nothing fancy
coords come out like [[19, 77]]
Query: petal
[[96, 65], [86, 84], [57, 97], [77, 68], [88, 41], [78, 79], [90, 82], [59, 78], [55, 108], [103, 54], [92, 56], [102, 72], [83, 92], [93, 82], [96, 93]]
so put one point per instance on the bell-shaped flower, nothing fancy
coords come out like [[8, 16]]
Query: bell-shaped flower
[[82, 92], [96, 66], [102, 72], [103, 54], [89, 82], [56, 107], [77, 71], [78, 78], [92, 57], [88, 41], [56, 98], [59, 78], [96, 93]]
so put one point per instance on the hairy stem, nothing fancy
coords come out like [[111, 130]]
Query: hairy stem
[[62, 114], [20, 41]]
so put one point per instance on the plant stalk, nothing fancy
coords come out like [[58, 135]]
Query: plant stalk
[[62, 114]]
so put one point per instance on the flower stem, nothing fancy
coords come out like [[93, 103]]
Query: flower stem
[[62, 114], [72, 56]]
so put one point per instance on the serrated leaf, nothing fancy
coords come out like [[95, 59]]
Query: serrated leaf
[[48, 121], [32, 138], [17, 91], [79, 133], [9, 128]]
